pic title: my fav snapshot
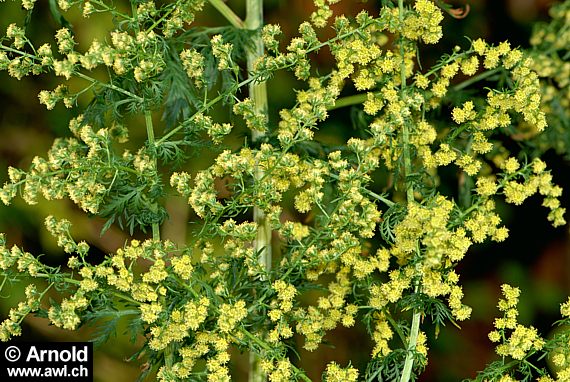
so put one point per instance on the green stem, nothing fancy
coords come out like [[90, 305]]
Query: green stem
[[201, 110], [228, 13], [415, 327], [3, 283], [151, 142], [164, 17], [352, 100], [395, 326], [412, 341], [477, 78], [388, 202], [405, 127], [258, 94], [169, 351], [108, 86], [106, 8], [69, 280], [451, 58]]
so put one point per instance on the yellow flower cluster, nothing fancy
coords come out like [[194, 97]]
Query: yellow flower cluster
[[87, 284], [565, 309], [486, 185], [469, 164], [205, 342], [350, 184], [551, 47], [150, 312], [51, 98], [60, 229], [521, 339], [187, 306], [294, 231], [484, 223], [469, 66], [76, 168], [182, 266], [365, 264], [330, 310], [464, 114], [381, 336], [459, 310], [335, 373], [391, 291], [323, 12], [281, 173], [137, 54], [424, 24], [193, 63], [296, 123], [560, 356], [280, 307], [424, 134], [203, 196], [428, 225], [231, 315], [254, 119], [65, 315], [539, 181], [270, 34], [440, 249], [421, 344], [279, 370], [524, 99], [285, 295], [179, 323], [10, 327], [561, 376], [442, 157], [245, 231], [24, 261], [222, 52]]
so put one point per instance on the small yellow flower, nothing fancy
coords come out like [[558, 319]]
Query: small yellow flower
[[479, 46], [565, 308], [511, 165]]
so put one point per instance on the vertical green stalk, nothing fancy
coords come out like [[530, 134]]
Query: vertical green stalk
[[258, 94], [415, 328], [169, 351], [405, 128], [257, 90], [151, 142]]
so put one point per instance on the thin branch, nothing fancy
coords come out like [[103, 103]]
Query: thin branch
[[228, 13], [477, 78], [152, 143], [352, 100]]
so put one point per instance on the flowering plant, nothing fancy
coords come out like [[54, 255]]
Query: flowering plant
[[283, 214]]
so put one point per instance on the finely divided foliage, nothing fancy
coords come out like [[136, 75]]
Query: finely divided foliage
[[386, 261]]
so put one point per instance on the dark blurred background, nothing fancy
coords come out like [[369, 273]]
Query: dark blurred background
[[535, 257]]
